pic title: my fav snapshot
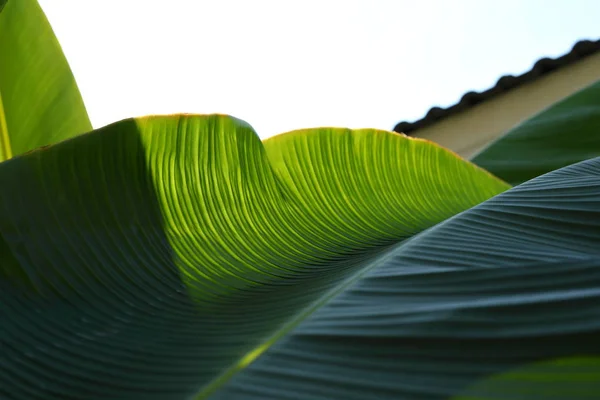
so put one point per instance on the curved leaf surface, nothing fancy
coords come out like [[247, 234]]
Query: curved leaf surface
[[565, 133], [156, 257], [512, 281], [40, 103]]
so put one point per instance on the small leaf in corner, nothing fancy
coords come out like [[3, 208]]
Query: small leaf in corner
[[2, 4]]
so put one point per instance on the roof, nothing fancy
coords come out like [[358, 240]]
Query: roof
[[543, 66]]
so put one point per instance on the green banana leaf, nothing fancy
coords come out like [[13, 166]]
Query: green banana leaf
[[39, 100], [565, 133], [157, 258], [510, 282]]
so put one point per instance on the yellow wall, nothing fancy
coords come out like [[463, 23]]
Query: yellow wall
[[469, 131]]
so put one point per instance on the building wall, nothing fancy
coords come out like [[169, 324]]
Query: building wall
[[469, 131]]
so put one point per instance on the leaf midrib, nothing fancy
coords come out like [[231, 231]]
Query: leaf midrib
[[5, 148], [252, 355]]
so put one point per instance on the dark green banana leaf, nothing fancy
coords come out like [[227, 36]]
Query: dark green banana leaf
[[565, 133], [508, 283], [40, 103], [180, 257], [513, 281], [157, 257]]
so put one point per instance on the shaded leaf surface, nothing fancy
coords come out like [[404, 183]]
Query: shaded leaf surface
[[156, 257]]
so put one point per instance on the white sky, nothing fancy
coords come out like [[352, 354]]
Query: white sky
[[284, 65]]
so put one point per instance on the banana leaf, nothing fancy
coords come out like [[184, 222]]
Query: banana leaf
[[40, 103], [165, 257]]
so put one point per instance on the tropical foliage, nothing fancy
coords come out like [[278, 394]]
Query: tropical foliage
[[172, 257]]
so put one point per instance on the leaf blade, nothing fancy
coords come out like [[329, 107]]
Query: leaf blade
[[41, 102], [514, 280], [176, 224]]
